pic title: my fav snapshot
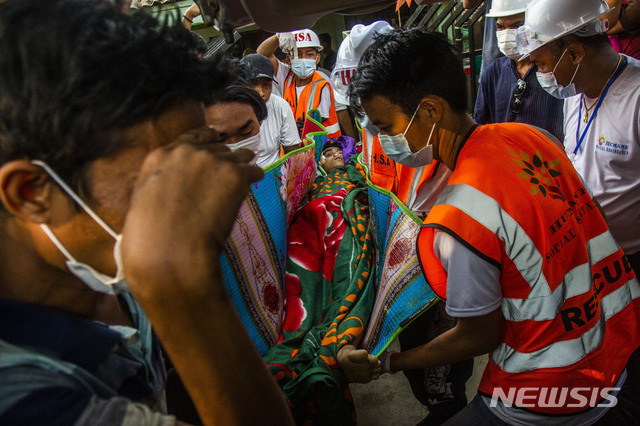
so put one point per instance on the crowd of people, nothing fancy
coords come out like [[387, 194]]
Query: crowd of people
[[125, 157]]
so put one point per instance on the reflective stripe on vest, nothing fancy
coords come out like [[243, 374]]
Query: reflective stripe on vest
[[570, 299], [310, 98], [567, 352], [542, 304]]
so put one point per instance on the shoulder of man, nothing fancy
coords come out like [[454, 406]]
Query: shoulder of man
[[496, 67]]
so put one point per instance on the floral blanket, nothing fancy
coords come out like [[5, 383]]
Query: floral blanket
[[255, 254], [329, 296]]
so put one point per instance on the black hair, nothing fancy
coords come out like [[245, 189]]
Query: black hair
[[200, 45], [241, 92], [405, 65], [594, 42], [325, 37], [75, 74], [332, 143]]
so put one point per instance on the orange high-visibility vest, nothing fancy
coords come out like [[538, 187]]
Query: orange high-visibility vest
[[382, 169], [411, 180], [570, 298], [310, 99]]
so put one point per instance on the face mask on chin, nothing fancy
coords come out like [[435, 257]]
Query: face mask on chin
[[550, 84], [95, 280], [303, 68], [507, 43], [397, 148]]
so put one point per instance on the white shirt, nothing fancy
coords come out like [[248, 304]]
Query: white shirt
[[279, 129], [280, 77], [609, 157], [473, 284], [422, 199]]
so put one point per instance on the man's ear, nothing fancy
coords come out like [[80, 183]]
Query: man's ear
[[25, 191], [433, 107], [317, 58], [576, 52]]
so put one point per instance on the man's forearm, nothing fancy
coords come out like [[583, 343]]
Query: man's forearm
[[290, 148], [171, 247], [214, 356], [268, 48], [469, 338], [346, 124]]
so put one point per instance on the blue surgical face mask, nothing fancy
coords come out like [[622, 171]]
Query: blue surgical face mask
[[397, 148], [549, 83], [95, 280], [303, 68]]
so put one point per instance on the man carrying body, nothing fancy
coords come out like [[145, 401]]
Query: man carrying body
[[279, 128], [602, 112], [98, 174], [302, 86], [509, 89], [514, 243]]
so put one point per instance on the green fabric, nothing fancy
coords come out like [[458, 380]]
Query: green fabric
[[329, 295]]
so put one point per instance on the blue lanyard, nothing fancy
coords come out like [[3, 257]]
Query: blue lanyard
[[604, 93]]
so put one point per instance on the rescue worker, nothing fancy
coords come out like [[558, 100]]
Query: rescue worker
[[415, 187], [302, 86], [515, 244], [601, 123], [509, 90], [277, 131], [442, 390]]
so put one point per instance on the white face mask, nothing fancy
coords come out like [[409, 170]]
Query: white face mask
[[251, 143], [397, 148], [549, 83], [303, 68], [95, 280], [507, 43]]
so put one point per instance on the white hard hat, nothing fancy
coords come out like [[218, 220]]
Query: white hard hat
[[307, 38], [548, 20], [351, 49], [501, 8]]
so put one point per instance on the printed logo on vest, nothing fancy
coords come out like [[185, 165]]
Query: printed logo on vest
[[540, 173], [611, 147]]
